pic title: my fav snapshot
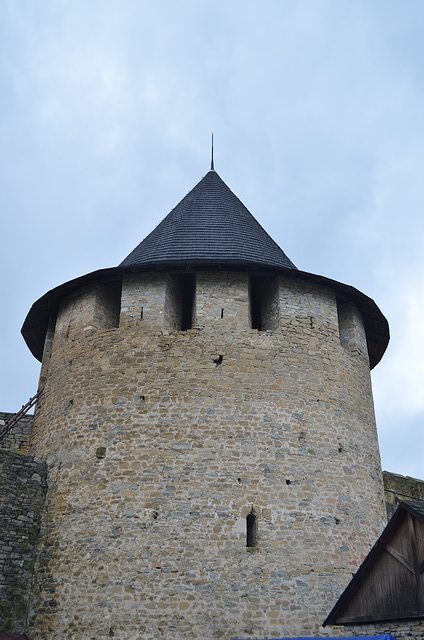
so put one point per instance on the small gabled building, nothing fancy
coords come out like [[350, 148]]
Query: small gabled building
[[388, 588]]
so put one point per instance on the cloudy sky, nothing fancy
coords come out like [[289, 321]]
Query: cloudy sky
[[106, 113]]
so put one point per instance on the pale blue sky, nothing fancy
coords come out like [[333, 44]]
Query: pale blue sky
[[317, 108]]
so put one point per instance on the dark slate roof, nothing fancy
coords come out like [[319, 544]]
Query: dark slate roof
[[209, 226]]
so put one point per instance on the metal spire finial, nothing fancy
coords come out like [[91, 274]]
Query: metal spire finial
[[212, 167]]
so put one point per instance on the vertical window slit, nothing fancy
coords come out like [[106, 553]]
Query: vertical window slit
[[255, 303], [187, 301], [251, 529]]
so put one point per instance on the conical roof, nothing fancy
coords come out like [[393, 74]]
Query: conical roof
[[209, 226]]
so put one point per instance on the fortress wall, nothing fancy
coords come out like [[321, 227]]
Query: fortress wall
[[222, 301], [143, 301], [158, 449], [22, 490], [17, 439], [399, 488], [77, 314], [351, 329], [402, 630], [93, 308], [305, 307]]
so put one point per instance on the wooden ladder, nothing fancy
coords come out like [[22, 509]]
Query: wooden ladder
[[15, 418]]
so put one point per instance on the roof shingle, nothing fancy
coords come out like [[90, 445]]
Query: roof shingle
[[209, 226]]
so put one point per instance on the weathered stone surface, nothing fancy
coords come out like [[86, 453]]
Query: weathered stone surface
[[399, 488], [160, 442], [18, 437], [22, 491], [403, 630]]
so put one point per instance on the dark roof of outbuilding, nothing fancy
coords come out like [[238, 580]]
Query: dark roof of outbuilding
[[209, 226]]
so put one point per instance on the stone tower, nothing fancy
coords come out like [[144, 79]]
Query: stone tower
[[207, 419]]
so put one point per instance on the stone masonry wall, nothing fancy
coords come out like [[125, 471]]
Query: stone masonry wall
[[399, 488], [91, 309], [403, 630], [143, 300], [159, 444], [17, 439], [351, 328], [22, 491], [222, 301]]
